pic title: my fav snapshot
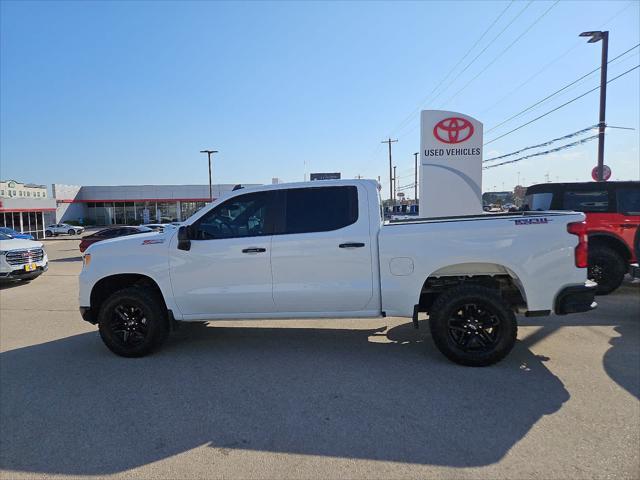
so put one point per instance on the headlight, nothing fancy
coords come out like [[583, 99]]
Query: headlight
[[3, 252], [86, 260]]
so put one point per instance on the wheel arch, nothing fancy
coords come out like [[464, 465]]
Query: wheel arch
[[489, 274], [108, 285], [612, 241]]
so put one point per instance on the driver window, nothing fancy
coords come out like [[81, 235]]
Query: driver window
[[241, 216]]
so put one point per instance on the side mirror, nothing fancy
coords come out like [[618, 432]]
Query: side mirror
[[184, 243]]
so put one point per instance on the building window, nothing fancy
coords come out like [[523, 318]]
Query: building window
[[189, 208], [167, 212], [130, 214]]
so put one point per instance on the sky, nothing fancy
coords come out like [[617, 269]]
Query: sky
[[119, 93]]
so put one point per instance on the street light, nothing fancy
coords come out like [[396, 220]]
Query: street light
[[209, 153], [596, 37]]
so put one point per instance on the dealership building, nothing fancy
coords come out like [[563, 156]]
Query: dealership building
[[131, 204], [25, 207]]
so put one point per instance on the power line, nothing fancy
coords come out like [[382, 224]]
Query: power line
[[559, 107], [490, 43], [539, 154], [503, 51], [544, 144], [575, 45], [494, 60], [409, 117], [558, 91]]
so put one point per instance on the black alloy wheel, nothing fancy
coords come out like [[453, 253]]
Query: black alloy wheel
[[474, 328], [473, 325], [129, 324], [133, 321]]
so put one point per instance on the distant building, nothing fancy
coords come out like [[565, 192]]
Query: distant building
[[25, 207], [132, 204], [14, 189]]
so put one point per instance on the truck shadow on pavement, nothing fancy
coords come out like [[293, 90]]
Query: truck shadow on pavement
[[71, 407], [621, 361]]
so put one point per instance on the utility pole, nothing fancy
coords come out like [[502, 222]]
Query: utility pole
[[209, 153], [395, 185], [389, 142], [596, 37], [415, 177]]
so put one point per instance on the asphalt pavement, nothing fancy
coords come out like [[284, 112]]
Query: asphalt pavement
[[312, 399]]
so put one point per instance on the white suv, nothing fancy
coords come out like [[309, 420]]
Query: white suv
[[63, 228], [21, 259]]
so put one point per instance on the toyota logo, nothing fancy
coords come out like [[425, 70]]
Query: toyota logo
[[453, 130]]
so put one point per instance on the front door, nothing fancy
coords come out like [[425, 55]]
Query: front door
[[321, 257], [228, 268]]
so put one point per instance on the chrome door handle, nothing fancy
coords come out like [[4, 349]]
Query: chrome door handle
[[254, 250]]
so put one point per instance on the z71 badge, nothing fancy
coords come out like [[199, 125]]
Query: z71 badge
[[532, 221]]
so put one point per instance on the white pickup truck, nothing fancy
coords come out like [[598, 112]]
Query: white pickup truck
[[322, 250]]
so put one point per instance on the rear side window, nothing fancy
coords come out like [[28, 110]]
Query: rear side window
[[591, 201], [320, 209], [628, 200], [539, 201]]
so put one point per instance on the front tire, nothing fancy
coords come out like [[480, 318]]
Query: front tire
[[71, 231], [606, 268], [48, 233], [471, 325], [133, 322]]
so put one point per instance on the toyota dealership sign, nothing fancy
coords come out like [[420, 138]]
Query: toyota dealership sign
[[451, 164]]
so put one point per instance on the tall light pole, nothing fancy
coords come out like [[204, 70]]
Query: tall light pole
[[596, 37], [209, 153]]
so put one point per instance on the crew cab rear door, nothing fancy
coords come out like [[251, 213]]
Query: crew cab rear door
[[321, 253]]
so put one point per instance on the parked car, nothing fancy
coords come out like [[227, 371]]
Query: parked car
[[21, 259], [613, 216], [62, 228], [112, 232], [15, 234], [323, 251]]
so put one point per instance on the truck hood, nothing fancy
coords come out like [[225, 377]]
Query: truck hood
[[128, 242], [18, 244]]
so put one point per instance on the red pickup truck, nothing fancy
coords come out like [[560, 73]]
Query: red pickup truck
[[613, 217]]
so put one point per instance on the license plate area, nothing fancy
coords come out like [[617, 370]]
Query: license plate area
[[30, 267]]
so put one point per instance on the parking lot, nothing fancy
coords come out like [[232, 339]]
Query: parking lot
[[312, 399]]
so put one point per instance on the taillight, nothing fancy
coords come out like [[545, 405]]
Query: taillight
[[581, 252]]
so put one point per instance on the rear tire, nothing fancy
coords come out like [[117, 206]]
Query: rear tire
[[133, 322], [471, 325], [606, 268]]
